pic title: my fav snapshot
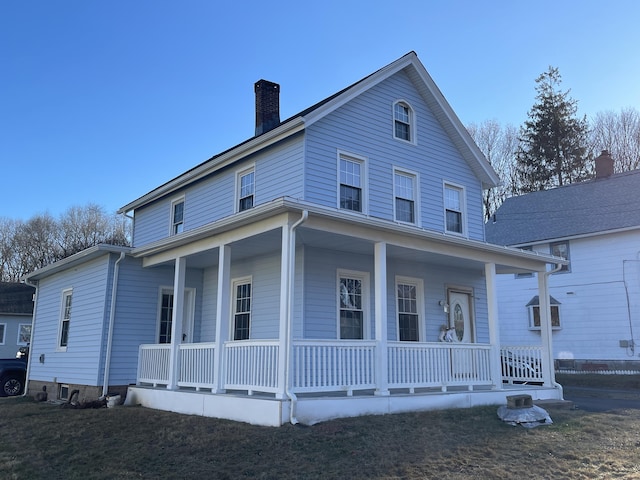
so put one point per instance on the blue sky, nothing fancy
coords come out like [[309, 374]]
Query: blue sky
[[102, 101]]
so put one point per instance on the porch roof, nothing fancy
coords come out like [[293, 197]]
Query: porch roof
[[332, 226]]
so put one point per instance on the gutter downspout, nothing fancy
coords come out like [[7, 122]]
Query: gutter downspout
[[555, 384], [112, 315], [290, 291], [33, 329]]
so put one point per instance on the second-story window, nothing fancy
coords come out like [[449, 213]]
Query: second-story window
[[246, 190], [404, 188], [65, 320], [351, 184], [403, 122], [177, 217], [561, 249], [454, 209]]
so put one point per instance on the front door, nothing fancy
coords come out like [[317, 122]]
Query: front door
[[460, 316], [166, 316]]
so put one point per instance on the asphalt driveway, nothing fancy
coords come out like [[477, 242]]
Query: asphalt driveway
[[601, 399]]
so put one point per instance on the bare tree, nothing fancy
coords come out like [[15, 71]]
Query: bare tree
[[619, 133], [499, 145]]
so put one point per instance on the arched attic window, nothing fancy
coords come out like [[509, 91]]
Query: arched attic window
[[404, 120]]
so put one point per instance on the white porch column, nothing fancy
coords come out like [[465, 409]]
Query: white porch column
[[222, 314], [177, 316], [494, 324], [382, 359], [283, 332], [548, 370]]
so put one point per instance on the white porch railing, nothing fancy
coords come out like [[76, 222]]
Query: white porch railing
[[252, 365], [197, 365], [153, 364], [521, 364], [323, 365], [415, 365]]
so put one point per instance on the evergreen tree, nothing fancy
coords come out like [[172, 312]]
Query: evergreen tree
[[553, 141]]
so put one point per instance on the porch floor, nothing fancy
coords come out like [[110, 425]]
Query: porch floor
[[311, 408]]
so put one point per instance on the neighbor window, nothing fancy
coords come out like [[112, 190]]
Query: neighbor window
[[561, 249], [527, 274], [534, 313], [351, 294], [351, 184], [65, 320], [24, 333], [404, 187], [408, 297], [242, 309], [403, 121], [3, 329], [454, 209], [177, 216], [246, 190]]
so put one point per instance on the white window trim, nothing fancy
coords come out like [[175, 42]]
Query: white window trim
[[18, 342], [174, 202], [232, 327], [239, 174], [566, 268], [531, 319], [416, 193], [413, 138], [66, 292], [364, 277], [4, 333], [364, 180], [419, 284], [463, 206], [189, 309]]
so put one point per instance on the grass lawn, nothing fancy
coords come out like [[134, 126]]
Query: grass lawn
[[45, 441]]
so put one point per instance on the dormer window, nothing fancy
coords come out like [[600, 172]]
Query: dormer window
[[177, 216], [403, 122]]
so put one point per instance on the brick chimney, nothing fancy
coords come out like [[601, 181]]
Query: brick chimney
[[267, 106], [604, 165]]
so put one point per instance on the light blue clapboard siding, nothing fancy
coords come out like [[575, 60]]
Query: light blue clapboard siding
[[278, 173], [364, 127], [209, 304], [80, 363]]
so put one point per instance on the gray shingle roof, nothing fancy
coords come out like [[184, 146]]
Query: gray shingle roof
[[594, 206], [16, 298]]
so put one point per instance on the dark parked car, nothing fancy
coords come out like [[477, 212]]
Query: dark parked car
[[13, 372]]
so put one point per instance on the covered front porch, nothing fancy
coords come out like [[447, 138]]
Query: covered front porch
[[295, 363]]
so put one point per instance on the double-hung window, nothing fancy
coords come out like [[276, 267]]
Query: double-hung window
[[404, 188], [246, 189], [177, 216], [561, 249], [352, 287], [24, 334], [454, 209], [409, 299], [242, 309], [351, 184], [65, 319], [403, 128]]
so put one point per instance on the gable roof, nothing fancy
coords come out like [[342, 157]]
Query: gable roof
[[16, 298], [416, 72], [591, 207]]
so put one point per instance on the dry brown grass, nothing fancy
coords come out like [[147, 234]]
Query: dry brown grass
[[42, 441]]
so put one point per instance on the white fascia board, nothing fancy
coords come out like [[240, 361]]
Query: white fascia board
[[256, 144]]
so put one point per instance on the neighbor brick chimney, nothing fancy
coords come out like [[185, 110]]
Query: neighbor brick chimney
[[267, 106], [604, 165]]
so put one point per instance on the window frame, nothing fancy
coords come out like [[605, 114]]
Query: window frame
[[240, 174], [564, 268], [363, 277], [64, 324], [532, 317], [463, 211], [528, 248], [413, 176], [410, 123], [3, 330], [362, 162], [235, 283], [176, 227], [20, 325], [418, 283]]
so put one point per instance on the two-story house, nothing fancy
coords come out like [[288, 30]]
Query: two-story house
[[595, 311], [332, 265]]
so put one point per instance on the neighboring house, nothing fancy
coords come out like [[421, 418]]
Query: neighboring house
[[310, 272], [16, 312], [595, 300]]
